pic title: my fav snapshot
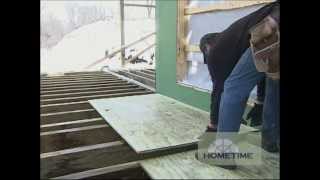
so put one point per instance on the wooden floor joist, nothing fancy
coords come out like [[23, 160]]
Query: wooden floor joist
[[103, 84], [80, 105], [63, 131], [150, 72], [84, 98], [78, 80], [83, 72], [144, 80], [89, 93], [100, 171], [121, 86], [70, 106], [64, 78], [94, 81], [72, 124], [59, 163], [57, 77], [76, 137], [143, 74], [65, 116]]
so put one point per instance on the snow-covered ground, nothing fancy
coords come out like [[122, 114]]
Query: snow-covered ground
[[87, 44]]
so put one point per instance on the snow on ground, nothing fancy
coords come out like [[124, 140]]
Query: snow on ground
[[87, 44]]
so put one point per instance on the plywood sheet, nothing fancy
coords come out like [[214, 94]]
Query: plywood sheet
[[153, 122], [186, 166]]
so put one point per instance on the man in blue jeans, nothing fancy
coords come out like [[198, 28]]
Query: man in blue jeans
[[237, 89], [245, 76]]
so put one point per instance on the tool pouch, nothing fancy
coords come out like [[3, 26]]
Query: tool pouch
[[265, 45]]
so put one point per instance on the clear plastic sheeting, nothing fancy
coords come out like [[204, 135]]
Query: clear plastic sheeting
[[198, 76], [201, 24]]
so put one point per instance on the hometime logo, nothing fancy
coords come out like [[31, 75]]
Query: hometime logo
[[225, 149], [228, 148]]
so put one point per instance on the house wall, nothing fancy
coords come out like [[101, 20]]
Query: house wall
[[166, 55], [166, 22]]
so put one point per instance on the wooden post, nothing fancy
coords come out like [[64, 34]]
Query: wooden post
[[182, 64], [122, 56]]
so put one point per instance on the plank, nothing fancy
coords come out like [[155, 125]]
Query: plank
[[153, 122], [56, 77], [85, 89], [192, 48], [59, 163], [80, 105], [84, 98], [103, 84], [142, 79], [77, 80], [100, 171], [69, 106], [89, 82], [76, 137], [140, 73], [226, 5], [64, 116], [71, 124], [88, 93], [182, 25], [68, 78], [148, 71], [185, 166]]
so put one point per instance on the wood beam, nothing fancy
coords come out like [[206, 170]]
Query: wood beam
[[182, 24], [192, 48], [122, 30], [140, 5], [226, 5]]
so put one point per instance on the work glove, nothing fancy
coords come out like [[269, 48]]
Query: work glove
[[255, 115]]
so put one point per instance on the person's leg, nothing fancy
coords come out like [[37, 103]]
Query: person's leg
[[261, 89], [271, 116], [255, 113], [215, 102], [237, 89]]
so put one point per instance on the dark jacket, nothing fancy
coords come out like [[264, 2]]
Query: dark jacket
[[229, 47]]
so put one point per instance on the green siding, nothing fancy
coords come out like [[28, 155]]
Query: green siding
[[166, 18]]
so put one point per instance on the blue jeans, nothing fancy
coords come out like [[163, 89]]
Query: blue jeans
[[237, 89]]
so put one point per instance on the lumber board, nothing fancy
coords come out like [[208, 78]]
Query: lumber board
[[153, 122], [59, 163], [226, 5], [67, 78], [76, 137], [78, 80], [64, 116], [100, 171], [87, 93], [80, 83], [84, 98], [103, 84], [85, 89], [80, 105], [72, 124]]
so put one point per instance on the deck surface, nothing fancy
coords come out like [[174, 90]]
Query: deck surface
[[153, 122], [186, 166]]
